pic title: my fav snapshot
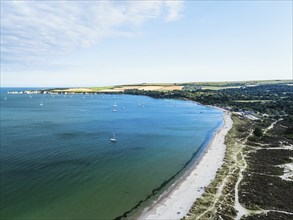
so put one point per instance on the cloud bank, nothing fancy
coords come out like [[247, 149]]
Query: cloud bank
[[33, 31]]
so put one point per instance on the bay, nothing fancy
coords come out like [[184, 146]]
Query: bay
[[57, 160]]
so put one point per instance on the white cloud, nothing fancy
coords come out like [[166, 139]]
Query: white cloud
[[174, 9], [32, 31]]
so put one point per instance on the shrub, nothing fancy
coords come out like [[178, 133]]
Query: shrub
[[258, 132]]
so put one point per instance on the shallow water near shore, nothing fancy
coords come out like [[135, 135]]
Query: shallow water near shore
[[57, 160]]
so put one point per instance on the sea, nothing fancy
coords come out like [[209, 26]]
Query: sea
[[58, 160]]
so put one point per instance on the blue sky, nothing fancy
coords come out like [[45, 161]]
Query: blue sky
[[94, 43]]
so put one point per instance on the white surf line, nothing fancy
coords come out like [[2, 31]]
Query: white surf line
[[240, 208], [224, 181], [177, 203]]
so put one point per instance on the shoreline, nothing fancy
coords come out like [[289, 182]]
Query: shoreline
[[176, 203]]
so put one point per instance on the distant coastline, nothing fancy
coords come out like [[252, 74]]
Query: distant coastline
[[149, 87], [262, 106]]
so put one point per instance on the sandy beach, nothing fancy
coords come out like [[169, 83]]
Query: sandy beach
[[176, 203]]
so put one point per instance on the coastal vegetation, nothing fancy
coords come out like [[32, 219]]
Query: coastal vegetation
[[255, 180], [252, 183], [278, 100]]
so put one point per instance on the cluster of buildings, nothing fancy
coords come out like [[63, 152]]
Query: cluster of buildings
[[247, 114], [26, 92]]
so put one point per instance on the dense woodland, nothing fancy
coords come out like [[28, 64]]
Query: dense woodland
[[271, 100]]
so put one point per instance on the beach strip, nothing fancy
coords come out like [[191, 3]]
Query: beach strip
[[177, 203]]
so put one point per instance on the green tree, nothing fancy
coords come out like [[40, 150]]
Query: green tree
[[258, 132]]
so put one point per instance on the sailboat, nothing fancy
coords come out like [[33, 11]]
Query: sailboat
[[113, 139], [114, 108], [41, 104]]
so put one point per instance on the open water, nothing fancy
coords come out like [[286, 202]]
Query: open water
[[57, 160]]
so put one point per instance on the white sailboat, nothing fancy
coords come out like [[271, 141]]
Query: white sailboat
[[114, 108], [41, 104], [113, 139]]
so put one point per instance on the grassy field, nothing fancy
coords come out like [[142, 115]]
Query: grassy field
[[219, 87], [122, 88], [173, 86], [101, 88], [231, 84], [252, 82]]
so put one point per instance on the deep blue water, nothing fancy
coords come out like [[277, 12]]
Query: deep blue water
[[57, 160]]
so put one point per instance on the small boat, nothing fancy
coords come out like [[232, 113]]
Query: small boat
[[5, 98], [114, 108], [41, 104], [113, 139]]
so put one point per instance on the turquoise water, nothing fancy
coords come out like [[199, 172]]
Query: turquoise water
[[57, 160]]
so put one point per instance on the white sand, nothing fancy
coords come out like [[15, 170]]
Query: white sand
[[288, 171], [177, 203]]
